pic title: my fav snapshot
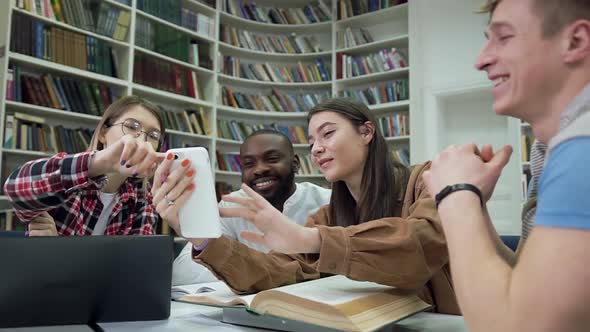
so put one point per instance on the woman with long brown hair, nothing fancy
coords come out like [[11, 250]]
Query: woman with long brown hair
[[381, 224], [101, 191]]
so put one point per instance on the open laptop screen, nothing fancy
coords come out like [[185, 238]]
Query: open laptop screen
[[81, 280]]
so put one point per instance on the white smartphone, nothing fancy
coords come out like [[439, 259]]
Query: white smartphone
[[199, 217]]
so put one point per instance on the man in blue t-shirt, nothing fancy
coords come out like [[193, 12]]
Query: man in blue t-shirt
[[564, 188], [538, 59]]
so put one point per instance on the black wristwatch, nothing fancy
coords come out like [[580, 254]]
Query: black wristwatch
[[457, 187]]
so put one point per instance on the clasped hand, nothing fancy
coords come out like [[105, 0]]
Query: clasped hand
[[467, 164]]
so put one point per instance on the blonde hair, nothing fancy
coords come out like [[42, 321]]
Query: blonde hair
[[116, 110], [555, 14]]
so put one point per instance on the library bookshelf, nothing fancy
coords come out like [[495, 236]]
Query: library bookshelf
[[141, 39]]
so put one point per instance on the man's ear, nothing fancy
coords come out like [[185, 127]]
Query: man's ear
[[295, 164], [367, 131], [576, 41]]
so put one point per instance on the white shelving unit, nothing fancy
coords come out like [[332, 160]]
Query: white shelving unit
[[389, 28]]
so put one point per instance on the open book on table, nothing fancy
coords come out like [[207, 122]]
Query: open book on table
[[334, 303]]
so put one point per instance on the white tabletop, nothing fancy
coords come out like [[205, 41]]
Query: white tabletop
[[192, 317]]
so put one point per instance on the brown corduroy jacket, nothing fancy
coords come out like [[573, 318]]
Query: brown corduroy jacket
[[407, 252]]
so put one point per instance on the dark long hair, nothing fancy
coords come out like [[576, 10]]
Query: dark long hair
[[384, 179]]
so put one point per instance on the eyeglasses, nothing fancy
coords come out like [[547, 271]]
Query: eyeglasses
[[134, 128]]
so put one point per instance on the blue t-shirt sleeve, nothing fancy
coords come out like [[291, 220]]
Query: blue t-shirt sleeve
[[564, 187]]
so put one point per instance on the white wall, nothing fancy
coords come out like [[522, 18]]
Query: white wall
[[452, 102]]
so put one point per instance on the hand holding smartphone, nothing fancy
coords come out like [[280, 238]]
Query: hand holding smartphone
[[199, 216]]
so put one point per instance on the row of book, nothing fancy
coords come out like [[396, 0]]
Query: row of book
[[197, 22], [31, 133], [238, 131], [167, 76], [526, 141], [173, 12], [35, 38], [395, 125], [291, 73], [311, 13], [162, 39], [402, 155], [382, 61], [387, 92], [188, 121], [91, 15], [167, 10], [229, 162], [177, 141], [59, 92], [350, 8], [306, 166], [269, 43], [273, 102], [350, 37]]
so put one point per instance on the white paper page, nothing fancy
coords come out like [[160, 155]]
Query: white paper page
[[333, 290], [205, 287], [221, 294]]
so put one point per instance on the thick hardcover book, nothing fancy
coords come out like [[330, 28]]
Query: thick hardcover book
[[336, 303]]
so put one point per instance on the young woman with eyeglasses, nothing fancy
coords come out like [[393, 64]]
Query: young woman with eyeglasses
[[102, 191]]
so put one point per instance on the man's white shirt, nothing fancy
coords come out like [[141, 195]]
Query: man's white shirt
[[305, 201]]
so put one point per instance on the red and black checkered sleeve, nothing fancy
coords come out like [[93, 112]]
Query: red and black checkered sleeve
[[147, 217], [43, 184]]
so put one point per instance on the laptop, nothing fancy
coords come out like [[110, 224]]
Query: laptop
[[84, 280]]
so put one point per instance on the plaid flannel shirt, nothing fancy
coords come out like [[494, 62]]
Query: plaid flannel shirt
[[61, 186]]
